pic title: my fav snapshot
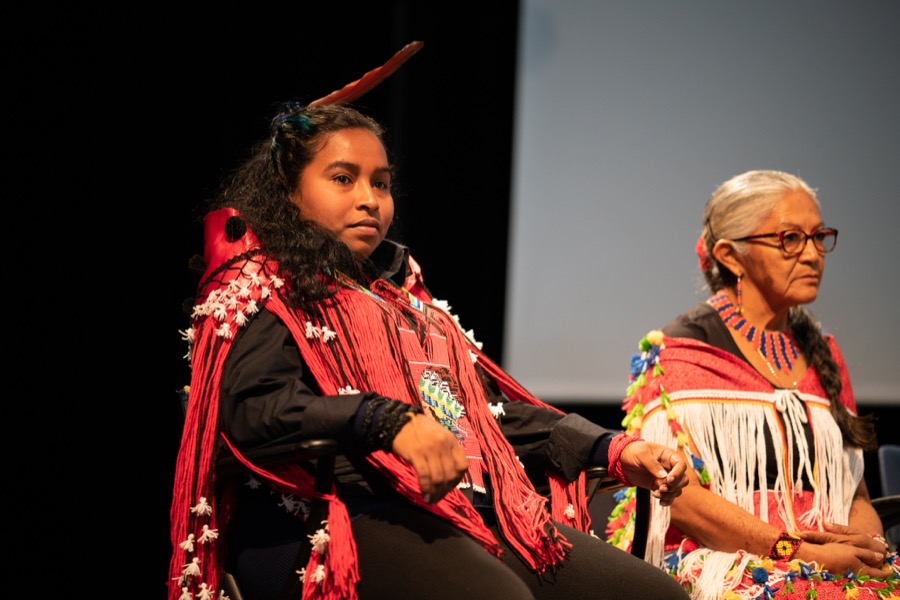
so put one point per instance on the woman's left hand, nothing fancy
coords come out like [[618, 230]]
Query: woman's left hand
[[656, 468]]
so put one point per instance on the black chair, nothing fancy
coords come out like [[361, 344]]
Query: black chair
[[888, 509], [322, 452], [889, 469], [601, 483], [888, 505]]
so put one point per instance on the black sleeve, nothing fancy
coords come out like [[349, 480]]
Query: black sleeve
[[267, 396], [545, 439], [702, 323]]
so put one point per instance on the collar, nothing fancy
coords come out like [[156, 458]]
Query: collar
[[391, 259]]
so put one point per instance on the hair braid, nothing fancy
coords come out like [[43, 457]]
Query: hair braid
[[858, 431]]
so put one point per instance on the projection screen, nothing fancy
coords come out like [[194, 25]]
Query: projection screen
[[629, 114]]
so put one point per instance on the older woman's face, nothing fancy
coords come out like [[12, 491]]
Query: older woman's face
[[347, 190], [786, 281]]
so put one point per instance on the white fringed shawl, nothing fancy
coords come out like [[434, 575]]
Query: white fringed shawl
[[729, 427]]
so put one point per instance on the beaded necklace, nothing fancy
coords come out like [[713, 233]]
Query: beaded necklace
[[778, 347], [350, 283]]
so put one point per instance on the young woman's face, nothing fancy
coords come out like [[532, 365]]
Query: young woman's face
[[347, 190], [785, 281]]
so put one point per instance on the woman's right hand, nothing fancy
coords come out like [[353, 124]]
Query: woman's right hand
[[434, 453], [840, 548]]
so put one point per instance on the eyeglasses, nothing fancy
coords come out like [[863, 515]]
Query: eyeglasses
[[793, 241]]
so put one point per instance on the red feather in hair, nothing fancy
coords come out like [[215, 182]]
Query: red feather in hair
[[354, 90]]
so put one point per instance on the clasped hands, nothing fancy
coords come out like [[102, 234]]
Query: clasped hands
[[841, 548], [656, 468], [440, 462]]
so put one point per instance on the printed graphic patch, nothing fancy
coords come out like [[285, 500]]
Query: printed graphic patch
[[440, 393]]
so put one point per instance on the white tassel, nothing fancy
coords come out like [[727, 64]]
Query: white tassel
[[497, 410], [192, 568], [188, 544], [203, 508], [442, 304], [318, 575], [208, 534], [320, 539], [225, 331], [291, 504], [471, 335]]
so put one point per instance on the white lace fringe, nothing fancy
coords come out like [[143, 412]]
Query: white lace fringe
[[736, 460]]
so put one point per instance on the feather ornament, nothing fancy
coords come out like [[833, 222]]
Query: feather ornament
[[361, 86]]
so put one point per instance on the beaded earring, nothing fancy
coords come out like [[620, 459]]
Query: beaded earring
[[740, 308]]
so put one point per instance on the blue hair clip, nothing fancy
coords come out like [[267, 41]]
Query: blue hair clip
[[300, 121]]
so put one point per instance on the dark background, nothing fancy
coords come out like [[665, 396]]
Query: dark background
[[448, 114], [217, 80]]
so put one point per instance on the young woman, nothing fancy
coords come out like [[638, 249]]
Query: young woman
[[751, 390], [309, 323]]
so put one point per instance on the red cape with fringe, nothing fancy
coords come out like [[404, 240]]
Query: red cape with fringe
[[354, 340]]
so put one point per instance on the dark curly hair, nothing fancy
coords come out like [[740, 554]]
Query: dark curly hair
[[259, 189]]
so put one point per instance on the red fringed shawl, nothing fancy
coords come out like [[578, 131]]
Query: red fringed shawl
[[683, 392], [378, 339]]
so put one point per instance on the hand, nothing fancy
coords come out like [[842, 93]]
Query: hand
[[655, 467], [434, 454], [840, 548]]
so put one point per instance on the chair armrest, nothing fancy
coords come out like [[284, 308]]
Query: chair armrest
[[888, 509], [599, 481], [228, 465], [323, 451]]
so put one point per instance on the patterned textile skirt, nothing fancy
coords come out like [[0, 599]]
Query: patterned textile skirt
[[750, 577]]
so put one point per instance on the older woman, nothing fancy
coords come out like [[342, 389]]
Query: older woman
[[758, 397]]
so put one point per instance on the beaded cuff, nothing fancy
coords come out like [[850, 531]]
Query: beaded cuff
[[616, 445], [384, 419], [785, 546]]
